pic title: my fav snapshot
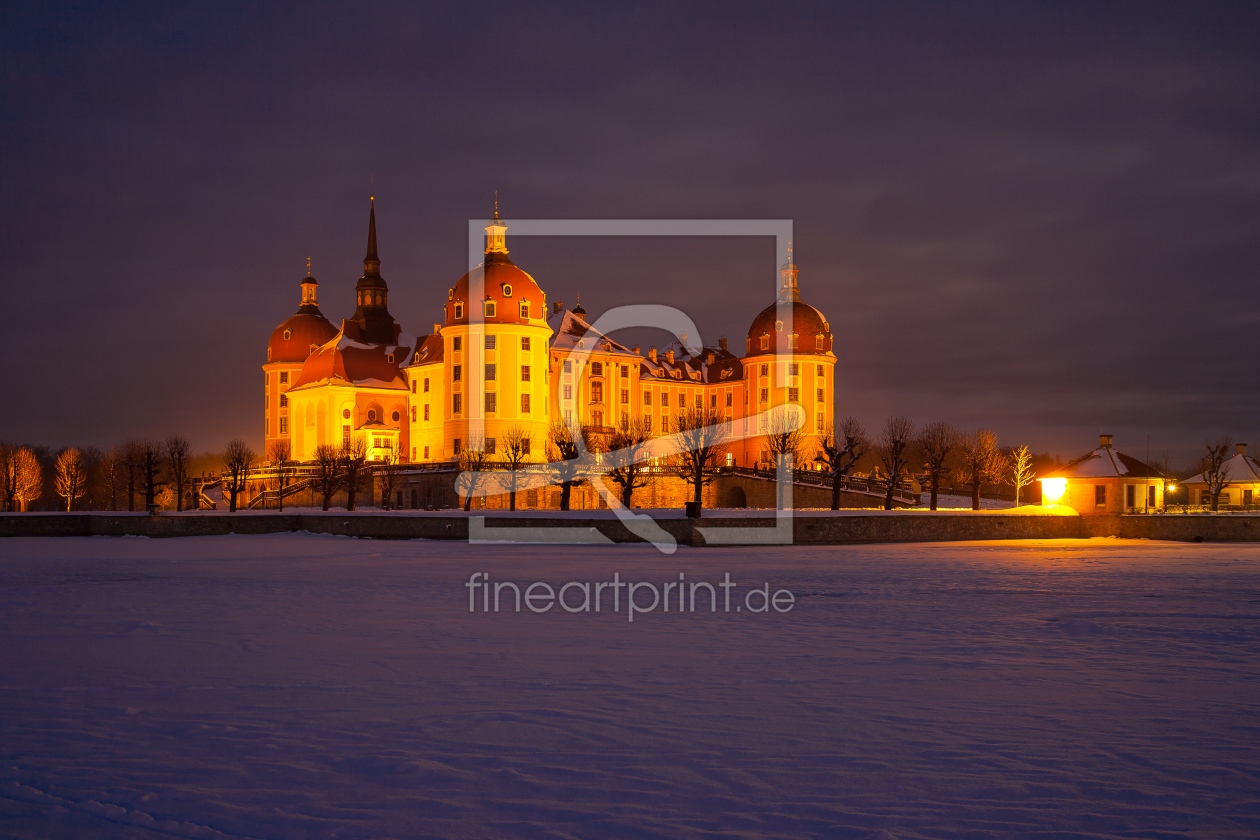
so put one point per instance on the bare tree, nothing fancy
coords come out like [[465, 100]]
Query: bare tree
[[8, 476], [785, 438], [132, 462], [178, 451], [980, 462], [238, 460], [893, 449], [389, 469], [280, 454], [570, 457], [1216, 468], [937, 441], [353, 458], [28, 482], [516, 446], [70, 476], [152, 467], [842, 448], [327, 471], [626, 461], [473, 461], [110, 477], [1022, 472], [701, 435]]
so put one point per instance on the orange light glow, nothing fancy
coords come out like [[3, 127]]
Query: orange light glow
[[1052, 490]]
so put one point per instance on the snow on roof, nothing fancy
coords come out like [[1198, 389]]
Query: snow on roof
[[1242, 469], [693, 368], [1105, 462], [574, 329]]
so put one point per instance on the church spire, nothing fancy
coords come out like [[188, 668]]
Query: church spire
[[371, 262], [372, 294]]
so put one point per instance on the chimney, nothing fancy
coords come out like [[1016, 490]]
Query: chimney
[[1242, 448], [437, 328], [722, 343], [557, 307], [636, 350], [652, 354], [1104, 440], [669, 356]]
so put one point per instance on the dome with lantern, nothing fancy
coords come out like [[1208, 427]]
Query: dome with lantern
[[770, 333], [303, 331], [505, 294]]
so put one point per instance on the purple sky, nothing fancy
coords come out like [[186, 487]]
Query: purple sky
[[1041, 219]]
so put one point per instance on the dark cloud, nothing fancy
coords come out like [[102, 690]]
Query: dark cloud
[[1040, 218]]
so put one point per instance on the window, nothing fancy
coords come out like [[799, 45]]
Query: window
[[413, 453], [625, 371], [1100, 495], [413, 386], [597, 392], [792, 341], [729, 398], [568, 417], [457, 373], [284, 425], [284, 377], [764, 423], [426, 384], [492, 402], [459, 313], [525, 446], [345, 435], [778, 326], [765, 395], [457, 343], [284, 400], [597, 369], [490, 342], [389, 357], [568, 392], [794, 394], [524, 403], [524, 373], [489, 309], [426, 453], [524, 314], [818, 343], [457, 405], [794, 369], [765, 342], [821, 394], [413, 414], [699, 400], [597, 418], [1150, 496], [713, 401], [490, 370], [489, 446], [287, 335], [647, 422], [507, 290], [345, 412], [1130, 495], [765, 370], [394, 416], [647, 397], [822, 371], [371, 415], [568, 366], [426, 411], [456, 446], [625, 395], [524, 338], [664, 399]]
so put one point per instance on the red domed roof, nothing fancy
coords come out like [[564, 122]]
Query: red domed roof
[[348, 357], [504, 284], [292, 340], [807, 323]]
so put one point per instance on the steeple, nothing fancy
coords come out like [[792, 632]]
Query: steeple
[[372, 294], [310, 306], [496, 232], [787, 280]]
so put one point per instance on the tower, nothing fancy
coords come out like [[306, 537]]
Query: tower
[[372, 294]]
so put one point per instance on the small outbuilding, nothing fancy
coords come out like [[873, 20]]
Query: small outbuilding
[[1242, 482], [1105, 481]]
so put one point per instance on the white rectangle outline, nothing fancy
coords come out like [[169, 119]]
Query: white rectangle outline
[[780, 229]]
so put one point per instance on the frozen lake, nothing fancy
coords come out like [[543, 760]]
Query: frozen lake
[[295, 686]]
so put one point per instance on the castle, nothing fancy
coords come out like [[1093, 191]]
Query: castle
[[502, 361]]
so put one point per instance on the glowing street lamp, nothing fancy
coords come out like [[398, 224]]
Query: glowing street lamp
[[1052, 490]]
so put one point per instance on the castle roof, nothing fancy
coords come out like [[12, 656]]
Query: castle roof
[[348, 359]]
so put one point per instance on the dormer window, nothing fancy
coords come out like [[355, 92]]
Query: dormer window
[[778, 326], [818, 342], [524, 311], [792, 341], [459, 311], [489, 309], [389, 357], [288, 334], [507, 289], [765, 342]]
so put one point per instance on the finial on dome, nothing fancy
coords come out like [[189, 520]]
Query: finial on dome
[[787, 286], [496, 205], [496, 231]]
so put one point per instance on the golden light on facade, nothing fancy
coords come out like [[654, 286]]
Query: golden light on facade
[[1052, 490]]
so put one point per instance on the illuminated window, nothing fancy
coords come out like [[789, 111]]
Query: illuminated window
[[284, 425], [284, 400], [489, 309], [457, 406], [490, 342], [524, 403], [597, 392], [597, 418], [524, 373], [492, 403], [284, 376], [524, 339], [459, 313], [524, 315], [490, 370], [457, 343], [794, 394]]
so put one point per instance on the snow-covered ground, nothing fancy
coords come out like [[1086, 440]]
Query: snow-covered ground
[[944, 502], [297, 686]]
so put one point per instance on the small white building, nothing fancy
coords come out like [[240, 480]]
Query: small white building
[[1242, 482], [1105, 481]]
